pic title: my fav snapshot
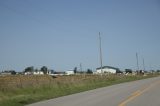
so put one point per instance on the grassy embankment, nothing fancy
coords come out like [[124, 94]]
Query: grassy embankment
[[22, 90]]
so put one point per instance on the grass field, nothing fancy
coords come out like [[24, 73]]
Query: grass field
[[21, 90]]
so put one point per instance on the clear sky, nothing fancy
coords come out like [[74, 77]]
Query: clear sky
[[61, 34]]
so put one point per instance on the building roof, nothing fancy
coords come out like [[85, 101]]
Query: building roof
[[107, 67]]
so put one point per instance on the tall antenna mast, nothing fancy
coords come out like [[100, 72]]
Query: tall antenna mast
[[137, 62], [100, 50]]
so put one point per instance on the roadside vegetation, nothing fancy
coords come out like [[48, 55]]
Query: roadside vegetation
[[20, 90]]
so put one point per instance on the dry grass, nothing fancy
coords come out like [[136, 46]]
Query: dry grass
[[20, 81], [20, 90]]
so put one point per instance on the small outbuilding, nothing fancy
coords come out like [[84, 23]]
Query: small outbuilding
[[70, 72]]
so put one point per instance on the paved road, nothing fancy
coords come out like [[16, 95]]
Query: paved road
[[137, 93]]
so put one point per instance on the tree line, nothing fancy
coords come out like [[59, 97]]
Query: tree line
[[43, 69]]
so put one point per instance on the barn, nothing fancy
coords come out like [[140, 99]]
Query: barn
[[108, 69]]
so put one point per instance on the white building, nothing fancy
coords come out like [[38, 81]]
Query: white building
[[107, 69], [70, 72], [38, 73], [34, 73], [28, 73]]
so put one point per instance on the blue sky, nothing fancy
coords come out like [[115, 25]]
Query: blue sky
[[61, 34]]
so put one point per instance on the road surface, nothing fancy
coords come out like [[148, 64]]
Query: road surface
[[137, 93]]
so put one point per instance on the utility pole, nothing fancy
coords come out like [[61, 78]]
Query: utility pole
[[83, 73], [100, 51], [81, 67], [143, 65], [137, 62]]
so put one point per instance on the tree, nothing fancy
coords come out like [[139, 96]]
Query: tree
[[158, 71], [118, 70], [29, 69], [128, 71], [75, 70], [89, 71], [52, 71], [13, 72], [141, 72], [44, 69], [36, 70]]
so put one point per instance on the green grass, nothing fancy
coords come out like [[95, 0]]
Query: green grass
[[42, 89]]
